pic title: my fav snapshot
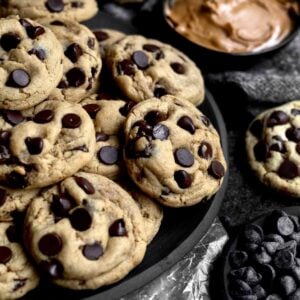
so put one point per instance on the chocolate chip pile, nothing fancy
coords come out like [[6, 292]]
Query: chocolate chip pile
[[266, 261]]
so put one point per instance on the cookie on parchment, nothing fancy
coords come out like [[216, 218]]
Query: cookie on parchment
[[30, 63], [86, 232], [80, 10], [273, 147], [172, 152], [145, 68]]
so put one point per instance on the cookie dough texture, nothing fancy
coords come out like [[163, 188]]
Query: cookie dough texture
[[93, 251], [74, 10], [81, 61], [145, 68], [172, 152], [17, 275], [272, 143], [30, 63], [45, 144], [108, 117]]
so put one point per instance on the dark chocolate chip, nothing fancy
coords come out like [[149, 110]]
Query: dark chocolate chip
[[35, 31], [54, 268], [108, 155], [19, 283], [247, 274], [284, 259], [118, 228], [261, 256], [80, 219], [10, 41], [5, 255], [5, 137], [13, 234], [259, 292], [144, 128], [16, 180], [205, 151], [293, 134], [287, 285], [187, 124], [288, 246], [151, 48], [71, 121], [277, 118], [39, 53], [252, 233], [101, 137], [288, 170], [285, 226], [154, 117], [268, 274], [296, 222], [298, 148], [25, 23], [124, 110], [239, 288], [238, 259], [34, 145], [205, 120], [184, 157], [92, 109], [165, 191], [57, 23], [101, 35], [261, 151], [295, 112], [44, 116], [55, 5], [85, 185], [50, 244], [216, 169], [126, 67], [140, 59], [256, 128], [183, 179], [62, 85], [178, 68], [271, 247], [4, 154], [250, 247], [93, 251], [160, 132], [73, 52], [61, 205], [278, 147], [18, 79], [13, 117], [75, 77], [159, 91], [91, 43]]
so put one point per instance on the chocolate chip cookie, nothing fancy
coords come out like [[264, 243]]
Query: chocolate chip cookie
[[172, 151], [85, 233], [17, 275], [81, 60], [273, 146], [145, 68], [30, 63], [45, 144], [108, 117], [79, 10]]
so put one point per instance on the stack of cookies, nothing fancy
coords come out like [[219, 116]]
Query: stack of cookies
[[95, 130]]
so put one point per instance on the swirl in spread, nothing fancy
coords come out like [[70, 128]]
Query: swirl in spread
[[234, 26]]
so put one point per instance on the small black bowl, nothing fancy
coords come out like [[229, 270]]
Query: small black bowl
[[213, 60]]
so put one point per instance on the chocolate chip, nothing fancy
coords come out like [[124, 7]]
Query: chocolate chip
[[154, 117], [205, 120], [3, 196], [183, 179], [61, 205], [10, 41], [71, 121], [259, 292], [216, 169], [160, 132], [5, 255], [184, 157], [4, 154], [238, 288], [80, 219], [261, 256], [25, 23], [53, 268], [165, 191], [285, 226], [62, 85], [124, 110], [85, 185], [271, 247], [261, 151], [118, 228], [13, 234], [101, 137], [293, 134], [50, 244], [92, 109], [108, 155], [151, 48], [287, 285], [19, 283], [91, 43], [13, 117], [178, 68], [34, 145], [159, 91], [5, 137], [187, 124], [18, 79], [76, 4], [75, 77], [283, 259], [288, 170], [278, 147], [33, 32], [55, 5], [252, 233], [277, 118], [295, 112], [39, 53], [73, 52], [140, 59], [16, 180], [256, 128], [126, 67], [92, 251], [44, 116], [205, 151], [101, 35], [57, 23], [144, 128], [238, 259]]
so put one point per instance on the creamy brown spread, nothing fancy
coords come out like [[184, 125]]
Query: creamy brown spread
[[234, 25]]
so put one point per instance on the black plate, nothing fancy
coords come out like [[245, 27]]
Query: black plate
[[181, 228]]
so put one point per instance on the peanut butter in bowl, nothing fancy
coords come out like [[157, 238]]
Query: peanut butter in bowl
[[234, 26]]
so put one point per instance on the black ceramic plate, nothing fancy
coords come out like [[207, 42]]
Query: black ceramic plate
[[181, 228], [232, 244]]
